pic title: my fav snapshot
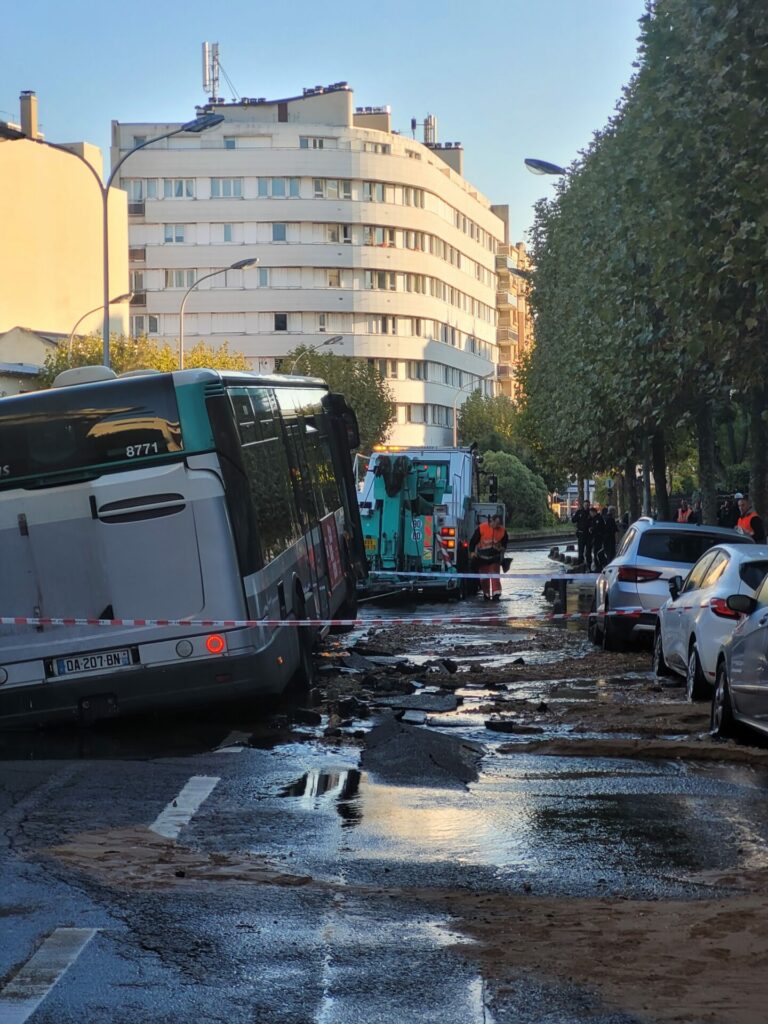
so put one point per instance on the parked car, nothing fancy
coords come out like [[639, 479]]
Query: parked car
[[741, 683], [651, 553], [695, 620]]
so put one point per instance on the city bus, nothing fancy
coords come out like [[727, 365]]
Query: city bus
[[227, 499]]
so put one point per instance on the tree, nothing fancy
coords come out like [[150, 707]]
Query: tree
[[523, 493], [138, 354], [489, 422], [361, 384]]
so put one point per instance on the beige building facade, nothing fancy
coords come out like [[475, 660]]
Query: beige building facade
[[51, 212], [362, 235], [515, 326]]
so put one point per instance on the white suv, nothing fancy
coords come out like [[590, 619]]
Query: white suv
[[637, 580]]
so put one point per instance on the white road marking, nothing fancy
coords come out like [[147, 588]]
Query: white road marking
[[27, 989], [179, 812]]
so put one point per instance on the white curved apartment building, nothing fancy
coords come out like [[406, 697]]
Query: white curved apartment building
[[360, 233]]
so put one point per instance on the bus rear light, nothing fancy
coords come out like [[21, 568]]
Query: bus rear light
[[184, 648], [450, 544], [215, 643], [448, 531]]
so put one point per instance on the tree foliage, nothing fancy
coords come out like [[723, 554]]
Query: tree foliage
[[649, 292], [361, 384], [523, 492], [138, 354]]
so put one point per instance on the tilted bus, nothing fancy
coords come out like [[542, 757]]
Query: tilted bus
[[195, 495]]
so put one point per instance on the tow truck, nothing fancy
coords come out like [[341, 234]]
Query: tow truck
[[419, 508]]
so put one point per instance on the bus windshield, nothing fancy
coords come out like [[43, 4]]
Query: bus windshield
[[68, 429]]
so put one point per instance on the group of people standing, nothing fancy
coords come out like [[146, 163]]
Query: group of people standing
[[596, 532]]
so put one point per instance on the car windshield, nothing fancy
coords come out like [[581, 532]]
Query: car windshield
[[753, 573], [680, 546]]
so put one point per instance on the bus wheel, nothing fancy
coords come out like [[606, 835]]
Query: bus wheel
[[304, 676]]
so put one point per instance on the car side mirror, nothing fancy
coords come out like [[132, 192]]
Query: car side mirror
[[741, 603], [675, 586]]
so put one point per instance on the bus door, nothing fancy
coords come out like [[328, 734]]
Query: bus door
[[295, 429]]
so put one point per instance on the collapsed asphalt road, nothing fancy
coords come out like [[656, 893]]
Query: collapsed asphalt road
[[484, 824]]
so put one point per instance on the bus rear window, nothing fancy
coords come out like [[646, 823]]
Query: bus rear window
[[86, 426]]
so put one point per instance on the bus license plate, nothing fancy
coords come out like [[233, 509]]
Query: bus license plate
[[97, 662]]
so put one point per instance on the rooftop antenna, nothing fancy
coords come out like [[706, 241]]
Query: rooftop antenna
[[211, 70]]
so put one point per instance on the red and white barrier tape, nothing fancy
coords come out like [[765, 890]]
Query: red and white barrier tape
[[392, 575], [430, 620]]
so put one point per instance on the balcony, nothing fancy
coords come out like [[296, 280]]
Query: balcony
[[506, 263], [506, 299], [136, 209], [137, 254], [506, 335]]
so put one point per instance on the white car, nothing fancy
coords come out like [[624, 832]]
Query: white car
[[696, 619]]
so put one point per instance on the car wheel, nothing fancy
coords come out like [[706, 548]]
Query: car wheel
[[722, 723], [594, 632], [696, 686], [611, 640], [660, 666]]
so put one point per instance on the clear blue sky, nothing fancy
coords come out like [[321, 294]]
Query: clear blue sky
[[507, 78]]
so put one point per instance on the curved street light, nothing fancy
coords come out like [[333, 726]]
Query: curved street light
[[197, 125], [326, 341], [476, 385], [119, 298], [543, 166], [239, 265]]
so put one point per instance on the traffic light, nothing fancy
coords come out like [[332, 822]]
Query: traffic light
[[493, 487]]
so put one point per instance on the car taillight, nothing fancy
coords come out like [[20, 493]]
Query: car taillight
[[631, 574], [719, 606]]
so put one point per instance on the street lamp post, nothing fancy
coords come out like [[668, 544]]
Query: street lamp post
[[476, 384], [199, 124], [543, 166], [325, 342], [112, 302], [240, 265]]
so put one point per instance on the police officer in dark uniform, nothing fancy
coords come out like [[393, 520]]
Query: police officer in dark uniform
[[581, 520]]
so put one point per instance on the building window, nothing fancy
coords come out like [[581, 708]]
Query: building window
[[413, 197], [226, 188], [136, 281], [174, 233], [339, 233], [139, 140], [139, 189], [377, 147], [387, 367], [381, 280], [279, 233], [382, 325], [314, 142], [334, 278], [277, 188], [180, 278], [322, 322], [227, 232], [263, 277], [374, 191], [230, 142], [379, 236], [178, 188], [144, 324], [332, 188], [417, 369], [281, 321]]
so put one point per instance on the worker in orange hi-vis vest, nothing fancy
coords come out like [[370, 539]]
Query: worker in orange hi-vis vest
[[488, 544], [749, 521]]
